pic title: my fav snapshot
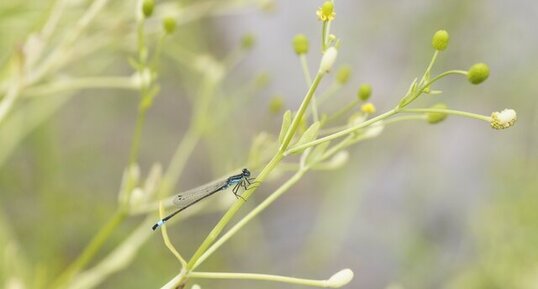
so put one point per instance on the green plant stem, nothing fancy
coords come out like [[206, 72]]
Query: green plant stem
[[324, 33], [251, 215], [447, 111], [166, 238], [297, 119], [446, 73], [404, 118], [122, 211], [213, 235], [264, 277], [341, 133], [81, 83], [308, 80], [89, 252], [418, 92], [144, 94], [54, 17], [306, 71], [281, 190], [429, 68]]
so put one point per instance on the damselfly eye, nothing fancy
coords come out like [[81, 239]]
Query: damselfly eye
[[246, 173]]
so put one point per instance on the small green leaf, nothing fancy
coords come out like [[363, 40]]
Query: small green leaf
[[410, 95], [286, 122], [309, 135]]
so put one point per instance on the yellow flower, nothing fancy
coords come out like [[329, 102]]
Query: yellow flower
[[368, 108], [326, 11]]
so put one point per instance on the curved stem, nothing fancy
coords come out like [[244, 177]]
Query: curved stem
[[447, 111], [264, 277], [167, 242]]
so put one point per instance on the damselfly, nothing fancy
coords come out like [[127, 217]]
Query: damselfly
[[191, 197]]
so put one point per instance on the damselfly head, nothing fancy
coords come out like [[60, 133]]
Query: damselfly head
[[246, 173]]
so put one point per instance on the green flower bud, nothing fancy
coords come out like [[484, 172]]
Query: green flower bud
[[478, 73], [147, 7], [342, 76], [248, 41], [365, 90], [440, 40], [300, 44], [437, 117], [276, 104], [169, 24]]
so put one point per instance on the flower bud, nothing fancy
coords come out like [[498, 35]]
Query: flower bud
[[365, 90], [169, 24], [440, 40], [147, 7], [342, 76], [300, 44], [340, 279], [437, 117], [503, 119], [326, 11], [248, 41], [368, 108], [328, 59], [276, 104], [478, 73]]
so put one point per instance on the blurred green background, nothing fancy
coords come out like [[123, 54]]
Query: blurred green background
[[453, 205]]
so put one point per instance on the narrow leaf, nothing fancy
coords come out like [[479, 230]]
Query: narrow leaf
[[286, 122]]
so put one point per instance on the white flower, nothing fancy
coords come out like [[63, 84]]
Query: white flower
[[328, 59], [141, 79], [340, 279], [503, 119]]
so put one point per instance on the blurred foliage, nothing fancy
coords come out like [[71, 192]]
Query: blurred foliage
[[63, 151]]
